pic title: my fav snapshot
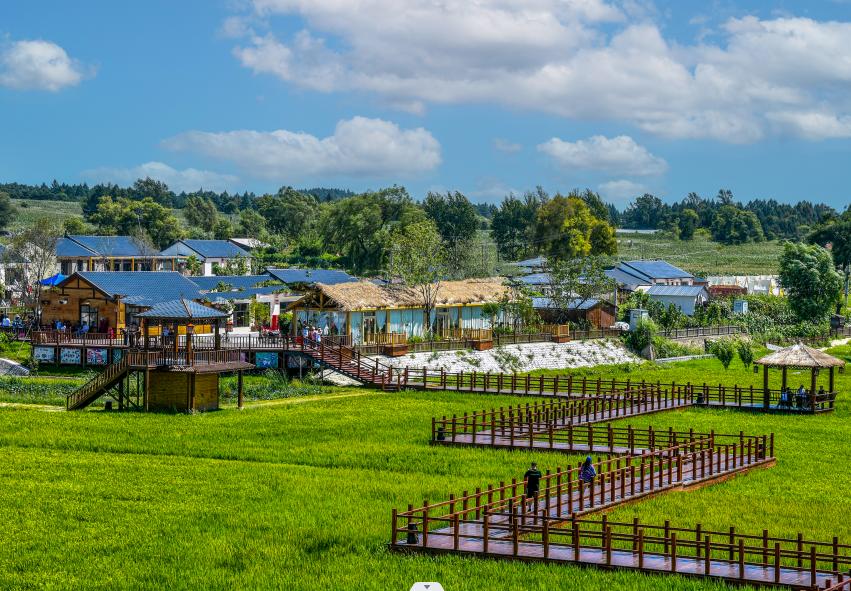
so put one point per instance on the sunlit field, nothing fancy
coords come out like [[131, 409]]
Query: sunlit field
[[296, 493]]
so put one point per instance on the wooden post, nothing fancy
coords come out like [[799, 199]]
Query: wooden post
[[217, 341], [830, 380], [240, 391], [766, 393], [813, 378]]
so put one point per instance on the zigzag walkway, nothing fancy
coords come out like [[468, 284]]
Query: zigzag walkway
[[501, 522]]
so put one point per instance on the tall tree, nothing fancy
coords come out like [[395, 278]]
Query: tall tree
[[687, 222], [251, 224], [152, 189], [36, 246], [836, 237], [7, 210], [419, 259], [644, 213], [201, 213], [564, 227], [126, 217], [457, 221], [736, 226], [513, 223], [812, 284], [289, 213], [573, 282]]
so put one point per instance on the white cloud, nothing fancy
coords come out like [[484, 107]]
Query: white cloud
[[188, 179], [505, 146], [617, 156], [38, 65], [491, 190], [359, 147], [589, 60], [622, 190]]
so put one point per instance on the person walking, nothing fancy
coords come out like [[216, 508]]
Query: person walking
[[533, 481], [587, 472]]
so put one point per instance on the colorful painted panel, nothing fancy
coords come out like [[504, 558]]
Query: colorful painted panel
[[96, 356], [44, 354], [70, 356], [117, 354], [266, 359]]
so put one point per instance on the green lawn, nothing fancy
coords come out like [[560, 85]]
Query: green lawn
[[28, 210], [702, 256], [297, 493]]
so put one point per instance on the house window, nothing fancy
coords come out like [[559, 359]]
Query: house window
[[369, 324], [240, 315], [89, 315]]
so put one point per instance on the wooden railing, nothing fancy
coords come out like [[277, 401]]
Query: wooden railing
[[381, 338], [60, 337], [556, 330]]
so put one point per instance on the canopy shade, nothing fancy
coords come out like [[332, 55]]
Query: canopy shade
[[182, 309], [53, 280], [800, 355]]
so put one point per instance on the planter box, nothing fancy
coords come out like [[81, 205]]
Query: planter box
[[559, 338], [481, 345], [398, 350]]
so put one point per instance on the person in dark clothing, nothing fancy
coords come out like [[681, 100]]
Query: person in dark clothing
[[587, 472], [533, 480]]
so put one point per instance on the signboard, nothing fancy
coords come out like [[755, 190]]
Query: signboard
[[266, 359], [44, 354], [70, 356], [96, 356]]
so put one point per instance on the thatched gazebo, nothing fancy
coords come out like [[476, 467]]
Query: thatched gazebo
[[798, 356]]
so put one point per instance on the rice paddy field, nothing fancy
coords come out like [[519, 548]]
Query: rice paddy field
[[296, 493]]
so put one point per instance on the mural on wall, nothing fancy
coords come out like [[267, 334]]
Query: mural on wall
[[117, 354], [96, 356], [44, 354], [70, 356], [266, 360]]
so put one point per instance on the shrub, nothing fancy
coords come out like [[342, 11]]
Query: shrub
[[745, 351], [724, 350], [638, 339]]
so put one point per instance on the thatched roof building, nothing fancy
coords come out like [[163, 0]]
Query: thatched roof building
[[800, 356], [366, 295]]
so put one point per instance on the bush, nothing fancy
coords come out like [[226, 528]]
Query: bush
[[668, 348], [638, 339], [724, 350], [745, 351]]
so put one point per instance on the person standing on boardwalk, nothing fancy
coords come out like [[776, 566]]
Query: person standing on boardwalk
[[533, 481], [587, 472]]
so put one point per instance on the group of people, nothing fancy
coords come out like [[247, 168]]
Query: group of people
[[801, 398], [533, 476], [7, 322], [312, 333]]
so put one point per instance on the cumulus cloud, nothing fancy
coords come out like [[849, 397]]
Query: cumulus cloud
[[619, 155], [580, 59], [359, 147], [188, 179], [622, 190], [38, 65]]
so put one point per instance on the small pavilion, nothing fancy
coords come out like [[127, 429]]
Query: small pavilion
[[799, 356], [186, 380]]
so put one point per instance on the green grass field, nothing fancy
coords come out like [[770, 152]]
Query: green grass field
[[297, 493], [28, 210], [702, 256]]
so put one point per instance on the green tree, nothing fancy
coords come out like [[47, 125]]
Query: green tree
[[810, 280], [194, 266], [124, 216], [836, 234], [644, 213], [201, 212], [457, 221], [563, 229], [152, 189], [688, 221], [574, 281], [598, 209], [251, 224], [289, 213], [223, 230], [736, 226], [513, 223], [37, 246], [745, 350], [7, 210], [74, 226], [419, 259], [724, 350]]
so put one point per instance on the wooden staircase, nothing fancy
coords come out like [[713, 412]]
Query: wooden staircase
[[99, 385], [349, 362]]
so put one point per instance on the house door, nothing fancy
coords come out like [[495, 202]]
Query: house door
[[369, 326], [89, 315], [442, 322]]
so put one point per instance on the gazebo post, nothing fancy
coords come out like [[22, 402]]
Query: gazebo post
[[813, 378], [218, 338], [175, 334], [766, 393], [784, 377], [830, 378], [147, 334]]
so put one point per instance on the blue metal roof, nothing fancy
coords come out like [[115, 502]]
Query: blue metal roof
[[216, 249], [65, 247], [326, 276], [676, 290], [539, 261], [575, 304], [237, 282], [141, 288], [536, 279], [113, 246], [182, 309], [654, 269], [624, 278]]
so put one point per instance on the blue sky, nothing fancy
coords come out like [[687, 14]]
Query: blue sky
[[619, 96]]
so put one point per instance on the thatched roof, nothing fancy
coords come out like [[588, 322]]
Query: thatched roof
[[365, 295], [800, 355]]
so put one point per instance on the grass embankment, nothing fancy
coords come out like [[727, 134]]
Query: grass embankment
[[28, 210], [297, 493]]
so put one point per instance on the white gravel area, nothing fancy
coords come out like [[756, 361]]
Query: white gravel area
[[520, 358]]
